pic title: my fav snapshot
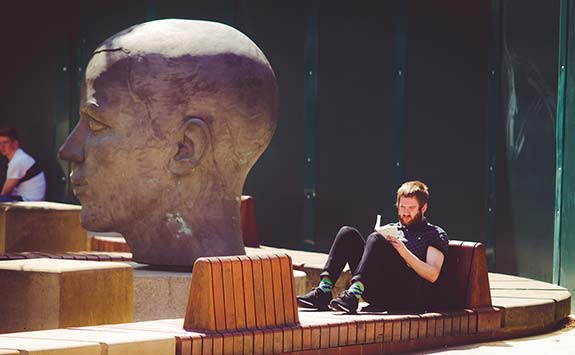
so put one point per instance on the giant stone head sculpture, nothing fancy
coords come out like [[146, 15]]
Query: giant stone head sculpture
[[174, 113]]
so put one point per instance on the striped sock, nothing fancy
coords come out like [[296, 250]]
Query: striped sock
[[326, 285], [356, 289]]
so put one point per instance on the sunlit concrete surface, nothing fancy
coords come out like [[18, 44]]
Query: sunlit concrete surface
[[560, 342]]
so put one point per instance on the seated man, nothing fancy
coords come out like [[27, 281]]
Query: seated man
[[394, 268], [25, 181]]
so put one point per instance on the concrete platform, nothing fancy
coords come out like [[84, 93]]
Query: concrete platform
[[521, 307]]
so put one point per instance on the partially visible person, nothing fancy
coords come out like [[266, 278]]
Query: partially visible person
[[25, 181]]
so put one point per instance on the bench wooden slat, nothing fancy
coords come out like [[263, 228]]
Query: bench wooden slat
[[259, 294], [218, 297], [198, 303], [250, 307], [268, 289], [278, 291], [291, 315], [479, 292], [229, 304], [239, 302]]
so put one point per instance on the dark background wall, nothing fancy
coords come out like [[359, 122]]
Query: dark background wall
[[438, 128], [526, 183]]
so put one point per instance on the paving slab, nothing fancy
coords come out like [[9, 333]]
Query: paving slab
[[49, 346], [113, 343], [559, 342]]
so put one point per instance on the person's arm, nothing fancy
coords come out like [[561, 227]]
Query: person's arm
[[430, 269], [9, 185]]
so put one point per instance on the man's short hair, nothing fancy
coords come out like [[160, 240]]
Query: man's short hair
[[415, 189], [9, 132]]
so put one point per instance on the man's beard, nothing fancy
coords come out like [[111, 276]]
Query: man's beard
[[410, 221]]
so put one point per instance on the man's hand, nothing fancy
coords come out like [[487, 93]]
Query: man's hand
[[397, 244]]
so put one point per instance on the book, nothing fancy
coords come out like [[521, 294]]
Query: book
[[388, 230]]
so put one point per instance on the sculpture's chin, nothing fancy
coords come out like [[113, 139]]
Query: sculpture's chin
[[92, 223]]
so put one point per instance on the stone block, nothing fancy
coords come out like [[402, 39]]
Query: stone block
[[41, 226], [54, 293], [159, 294]]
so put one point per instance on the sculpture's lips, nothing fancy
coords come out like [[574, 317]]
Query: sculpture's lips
[[79, 187]]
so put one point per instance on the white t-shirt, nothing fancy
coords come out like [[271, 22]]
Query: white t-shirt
[[33, 189]]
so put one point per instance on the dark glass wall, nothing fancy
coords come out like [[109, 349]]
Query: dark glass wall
[[354, 117], [447, 75], [526, 180], [276, 180]]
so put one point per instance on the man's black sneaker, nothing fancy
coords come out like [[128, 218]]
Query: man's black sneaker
[[346, 302], [374, 308], [316, 298]]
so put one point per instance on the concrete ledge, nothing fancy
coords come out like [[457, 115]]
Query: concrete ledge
[[528, 306], [41, 226], [50, 293]]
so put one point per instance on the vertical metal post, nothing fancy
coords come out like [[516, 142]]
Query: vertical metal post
[[230, 12], [151, 10], [399, 96], [493, 111], [564, 226], [61, 105], [310, 112], [74, 74]]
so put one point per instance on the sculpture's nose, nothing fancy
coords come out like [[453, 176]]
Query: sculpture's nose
[[73, 148]]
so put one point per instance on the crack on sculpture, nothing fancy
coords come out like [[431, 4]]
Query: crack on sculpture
[[234, 143], [127, 52]]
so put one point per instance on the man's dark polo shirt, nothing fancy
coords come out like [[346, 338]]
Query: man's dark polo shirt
[[422, 235]]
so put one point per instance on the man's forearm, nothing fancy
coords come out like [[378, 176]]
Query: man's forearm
[[9, 185], [429, 272]]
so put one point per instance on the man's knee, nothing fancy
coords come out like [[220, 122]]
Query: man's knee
[[348, 230], [375, 238]]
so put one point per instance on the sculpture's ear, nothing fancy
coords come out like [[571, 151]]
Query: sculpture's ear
[[191, 148]]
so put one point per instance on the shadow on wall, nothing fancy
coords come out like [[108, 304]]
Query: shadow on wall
[[55, 178]]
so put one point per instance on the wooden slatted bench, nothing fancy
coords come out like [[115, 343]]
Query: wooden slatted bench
[[236, 293], [248, 303], [464, 282]]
